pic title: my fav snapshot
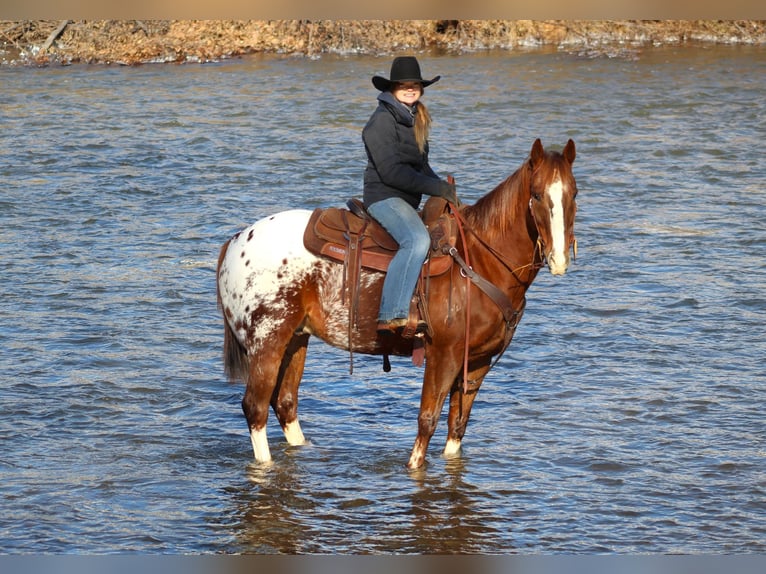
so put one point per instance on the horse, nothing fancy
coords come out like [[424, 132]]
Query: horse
[[274, 295]]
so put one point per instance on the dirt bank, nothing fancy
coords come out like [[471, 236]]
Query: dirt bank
[[132, 42]]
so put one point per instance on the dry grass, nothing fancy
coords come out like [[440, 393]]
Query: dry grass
[[134, 42]]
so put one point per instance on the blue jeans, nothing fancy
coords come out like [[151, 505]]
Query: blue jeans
[[404, 224]]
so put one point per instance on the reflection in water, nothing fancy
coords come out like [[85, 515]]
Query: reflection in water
[[448, 515], [283, 509], [273, 510]]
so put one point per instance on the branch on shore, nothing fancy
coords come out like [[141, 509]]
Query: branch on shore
[[55, 34]]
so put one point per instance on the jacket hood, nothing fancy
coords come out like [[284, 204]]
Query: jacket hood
[[403, 113]]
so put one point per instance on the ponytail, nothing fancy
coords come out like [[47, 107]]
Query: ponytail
[[422, 126]]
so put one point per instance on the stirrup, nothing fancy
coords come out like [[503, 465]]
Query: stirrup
[[410, 330]]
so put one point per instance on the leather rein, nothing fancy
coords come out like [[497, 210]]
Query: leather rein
[[511, 314]]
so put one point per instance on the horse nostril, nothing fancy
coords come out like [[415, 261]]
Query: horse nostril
[[558, 263]]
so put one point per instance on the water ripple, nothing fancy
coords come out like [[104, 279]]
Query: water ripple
[[625, 418]]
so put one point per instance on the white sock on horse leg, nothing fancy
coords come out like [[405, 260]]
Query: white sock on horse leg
[[260, 445], [294, 434], [452, 447]]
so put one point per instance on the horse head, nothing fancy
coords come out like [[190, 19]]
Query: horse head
[[552, 203]]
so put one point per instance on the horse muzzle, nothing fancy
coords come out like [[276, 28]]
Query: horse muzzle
[[558, 263]]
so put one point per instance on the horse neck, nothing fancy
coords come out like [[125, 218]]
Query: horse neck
[[502, 220]]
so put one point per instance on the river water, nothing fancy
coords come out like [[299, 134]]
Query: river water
[[627, 416]]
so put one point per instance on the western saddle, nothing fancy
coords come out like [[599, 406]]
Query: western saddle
[[351, 236]]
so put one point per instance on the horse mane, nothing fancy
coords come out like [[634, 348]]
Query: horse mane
[[494, 214]]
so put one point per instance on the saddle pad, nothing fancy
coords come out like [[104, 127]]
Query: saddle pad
[[336, 224], [329, 236]]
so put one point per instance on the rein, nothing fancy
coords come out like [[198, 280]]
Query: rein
[[511, 315], [467, 271], [499, 256]]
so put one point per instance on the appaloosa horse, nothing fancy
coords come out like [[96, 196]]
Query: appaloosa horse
[[274, 294]]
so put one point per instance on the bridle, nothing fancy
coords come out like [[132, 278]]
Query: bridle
[[511, 314], [540, 244]]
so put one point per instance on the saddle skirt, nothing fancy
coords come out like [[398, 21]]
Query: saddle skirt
[[351, 236]]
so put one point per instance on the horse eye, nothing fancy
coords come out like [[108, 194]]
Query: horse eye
[[535, 196]]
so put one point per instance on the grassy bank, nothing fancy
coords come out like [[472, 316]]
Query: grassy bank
[[131, 42]]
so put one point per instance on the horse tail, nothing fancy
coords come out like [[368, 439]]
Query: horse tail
[[235, 363]]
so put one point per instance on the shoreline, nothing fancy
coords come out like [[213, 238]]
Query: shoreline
[[39, 43]]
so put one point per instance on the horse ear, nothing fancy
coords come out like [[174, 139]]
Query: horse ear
[[537, 153], [569, 151]]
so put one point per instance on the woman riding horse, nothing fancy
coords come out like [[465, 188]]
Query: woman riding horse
[[397, 176]]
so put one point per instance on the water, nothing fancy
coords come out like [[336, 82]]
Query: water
[[627, 416]]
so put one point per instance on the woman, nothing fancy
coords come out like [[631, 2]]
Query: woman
[[396, 178]]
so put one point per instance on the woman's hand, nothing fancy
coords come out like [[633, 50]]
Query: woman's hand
[[451, 192]]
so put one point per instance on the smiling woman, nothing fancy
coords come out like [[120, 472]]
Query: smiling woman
[[397, 177]]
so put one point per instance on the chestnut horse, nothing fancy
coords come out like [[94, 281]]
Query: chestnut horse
[[274, 294]]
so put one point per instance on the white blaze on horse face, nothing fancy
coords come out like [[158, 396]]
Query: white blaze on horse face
[[558, 258]]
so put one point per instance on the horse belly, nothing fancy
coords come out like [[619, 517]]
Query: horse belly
[[259, 278]]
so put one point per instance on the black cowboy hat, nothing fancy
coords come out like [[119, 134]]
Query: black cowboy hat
[[403, 69]]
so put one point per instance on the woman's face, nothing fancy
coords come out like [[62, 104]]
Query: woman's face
[[408, 92]]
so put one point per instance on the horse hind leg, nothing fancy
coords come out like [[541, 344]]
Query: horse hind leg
[[284, 400], [255, 406], [263, 382]]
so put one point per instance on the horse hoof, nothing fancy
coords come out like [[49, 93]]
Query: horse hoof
[[416, 463], [453, 448]]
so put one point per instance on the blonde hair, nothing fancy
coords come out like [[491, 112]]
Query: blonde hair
[[422, 126]]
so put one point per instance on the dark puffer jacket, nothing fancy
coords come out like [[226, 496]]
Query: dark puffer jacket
[[395, 166]]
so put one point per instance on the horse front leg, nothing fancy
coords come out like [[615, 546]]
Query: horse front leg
[[284, 400], [461, 401], [439, 376]]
